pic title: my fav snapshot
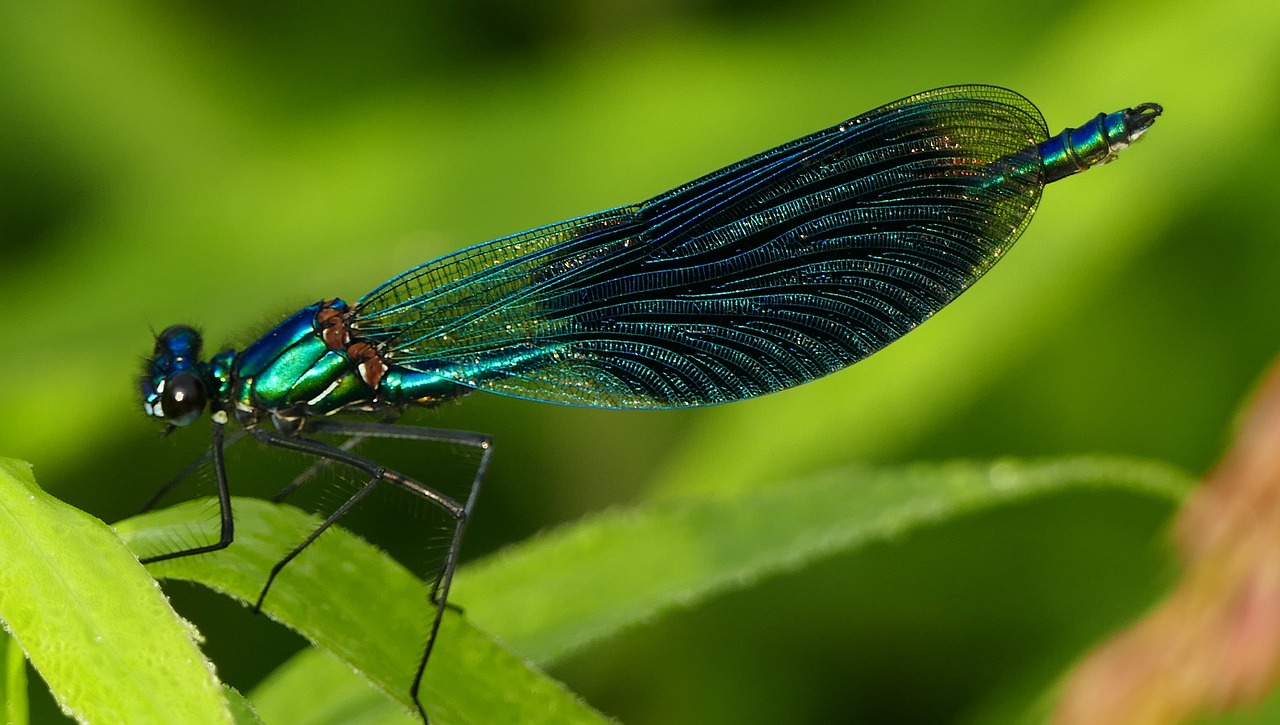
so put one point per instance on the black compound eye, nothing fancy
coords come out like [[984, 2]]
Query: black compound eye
[[183, 398]]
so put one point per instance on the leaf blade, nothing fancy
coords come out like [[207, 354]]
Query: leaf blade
[[316, 688], [62, 582], [559, 593], [325, 595]]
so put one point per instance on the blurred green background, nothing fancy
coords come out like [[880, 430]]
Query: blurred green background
[[224, 163]]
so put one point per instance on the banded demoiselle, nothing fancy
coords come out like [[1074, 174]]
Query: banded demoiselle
[[766, 274]]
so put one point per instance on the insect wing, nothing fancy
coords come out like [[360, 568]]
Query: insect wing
[[774, 271]]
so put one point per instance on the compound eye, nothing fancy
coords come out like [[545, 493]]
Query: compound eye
[[183, 398]]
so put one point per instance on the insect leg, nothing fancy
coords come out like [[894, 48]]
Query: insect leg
[[227, 533], [187, 471], [460, 513], [314, 469], [436, 435], [322, 463]]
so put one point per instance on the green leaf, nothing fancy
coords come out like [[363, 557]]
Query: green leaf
[[91, 620], [13, 684], [242, 711], [316, 688], [560, 592], [358, 603]]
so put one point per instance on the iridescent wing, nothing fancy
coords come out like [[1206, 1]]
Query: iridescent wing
[[774, 271]]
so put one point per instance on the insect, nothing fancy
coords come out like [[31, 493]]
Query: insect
[[766, 274]]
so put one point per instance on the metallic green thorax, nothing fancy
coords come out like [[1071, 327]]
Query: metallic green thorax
[[292, 373], [307, 377], [1095, 143]]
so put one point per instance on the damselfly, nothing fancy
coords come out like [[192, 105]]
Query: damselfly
[[766, 274]]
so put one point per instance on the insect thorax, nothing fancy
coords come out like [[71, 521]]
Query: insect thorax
[[310, 364]]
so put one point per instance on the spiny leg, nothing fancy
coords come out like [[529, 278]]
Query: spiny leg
[[321, 449], [333, 518], [314, 469], [461, 514], [227, 534], [322, 463], [434, 435], [185, 472]]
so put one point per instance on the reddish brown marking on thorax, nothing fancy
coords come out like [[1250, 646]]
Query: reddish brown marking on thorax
[[332, 324], [368, 362]]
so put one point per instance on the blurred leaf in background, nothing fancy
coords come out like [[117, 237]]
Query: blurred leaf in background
[[1213, 645], [223, 164]]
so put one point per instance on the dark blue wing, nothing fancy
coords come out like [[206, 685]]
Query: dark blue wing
[[766, 274]]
